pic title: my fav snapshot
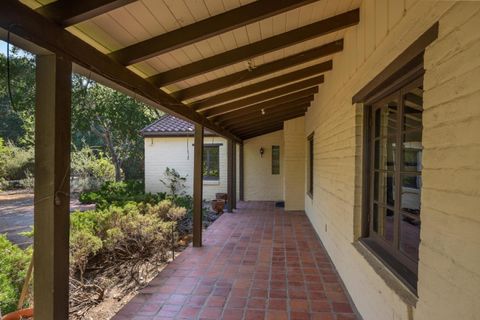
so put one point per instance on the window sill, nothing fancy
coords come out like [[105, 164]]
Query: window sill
[[310, 195], [390, 279], [211, 182]]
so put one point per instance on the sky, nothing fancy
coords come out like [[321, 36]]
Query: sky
[[3, 47]]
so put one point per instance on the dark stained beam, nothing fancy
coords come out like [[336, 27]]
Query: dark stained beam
[[242, 103], [263, 121], [204, 29], [241, 184], [243, 53], [262, 70], [272, 112], [32, 26], [198, 186], [67, 13], [305, 96], [260, 132], [262, 85], [230, 187]]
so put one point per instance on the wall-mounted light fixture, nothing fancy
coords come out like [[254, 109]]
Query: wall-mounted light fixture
[[262, 151]]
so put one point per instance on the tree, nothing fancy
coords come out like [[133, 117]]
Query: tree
[[17, 123], [115, 120]]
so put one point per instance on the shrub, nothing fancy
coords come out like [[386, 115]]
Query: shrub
[[13, 268], [15, 161], [92, 169], [177, 213], [119, 194], [83, 245]]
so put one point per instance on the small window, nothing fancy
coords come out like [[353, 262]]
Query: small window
[[275, 159], [211, 162], [310, 165]]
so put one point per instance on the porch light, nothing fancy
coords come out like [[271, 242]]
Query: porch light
[[261, 152]]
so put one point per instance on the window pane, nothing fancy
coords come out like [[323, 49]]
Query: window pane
[[211, 162], [275, 159], [412, 151], [409, 236], [388, 224], [385, 153], [386, 119], [384, 188], [383, 222], [413, 106], [411, 193]]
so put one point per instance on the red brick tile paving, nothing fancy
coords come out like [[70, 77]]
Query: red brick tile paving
[[256, 264]]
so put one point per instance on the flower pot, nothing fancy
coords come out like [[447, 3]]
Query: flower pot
[[221, 196], [218, 205], [20, 314]]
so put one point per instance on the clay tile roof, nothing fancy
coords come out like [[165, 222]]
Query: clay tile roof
[[169, 125]]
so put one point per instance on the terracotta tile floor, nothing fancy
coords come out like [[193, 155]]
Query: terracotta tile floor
[[258, 263]]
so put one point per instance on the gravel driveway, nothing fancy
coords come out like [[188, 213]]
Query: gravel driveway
[[16, 214]]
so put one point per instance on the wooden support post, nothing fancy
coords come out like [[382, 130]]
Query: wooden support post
[[240, 174], [198, 186], [230, 162], [234, 176], [52, 187]]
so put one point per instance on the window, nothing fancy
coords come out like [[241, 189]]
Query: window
[[395, 179], [310, 165], [211, 162], [275, 159]]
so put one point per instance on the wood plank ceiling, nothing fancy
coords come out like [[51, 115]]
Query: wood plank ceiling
[[245, 66]]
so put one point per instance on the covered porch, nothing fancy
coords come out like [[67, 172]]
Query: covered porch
[[373, 105], [260, 262]]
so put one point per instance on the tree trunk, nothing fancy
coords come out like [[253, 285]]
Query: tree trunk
[[115, 159]]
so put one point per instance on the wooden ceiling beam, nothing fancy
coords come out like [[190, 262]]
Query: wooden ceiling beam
[[290, 98], [250, 112], [264, 121], [268, 113], [32, 26], [255, 49], [204, 29], [242, 103], [262, 85], [68, 13], [260, 131], [262, 70]]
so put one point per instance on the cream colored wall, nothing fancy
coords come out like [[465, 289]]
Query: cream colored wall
[[259, 183], [294, 164], [449, 269], [177, 153]]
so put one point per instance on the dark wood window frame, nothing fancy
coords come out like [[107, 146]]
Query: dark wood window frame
[[310, 164], [404, 73], [388, 247], [206, 162], [275, 160]]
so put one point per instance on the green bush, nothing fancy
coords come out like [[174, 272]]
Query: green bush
[[119, 194], [122, 233], [15, 162], [14, 263], [91, 168]]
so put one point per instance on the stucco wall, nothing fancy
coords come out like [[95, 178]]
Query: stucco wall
[[259, 183], [177, 153], [294, 164], [449, 269]]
